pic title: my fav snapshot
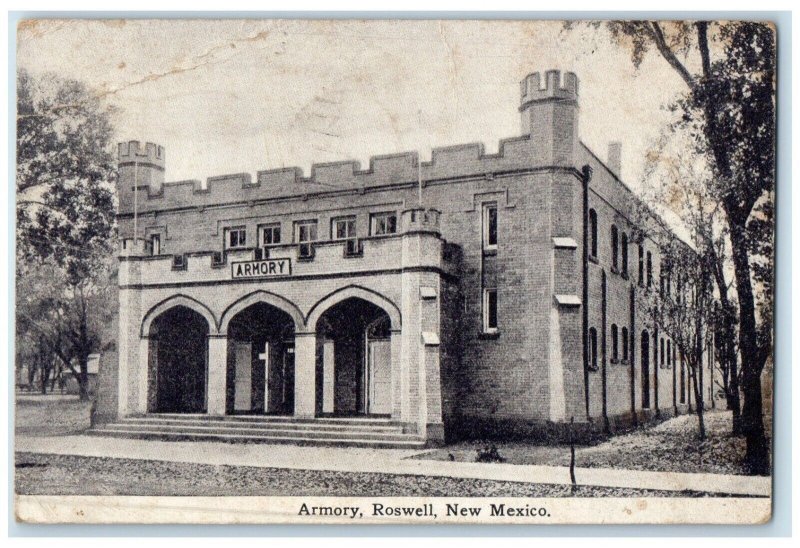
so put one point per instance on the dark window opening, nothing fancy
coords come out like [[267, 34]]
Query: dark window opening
[[490, 310], [490, 226], [237, 237], [384, 223]]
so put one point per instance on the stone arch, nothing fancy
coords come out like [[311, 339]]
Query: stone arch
[[172, 302], [266, 297], [349, 292]]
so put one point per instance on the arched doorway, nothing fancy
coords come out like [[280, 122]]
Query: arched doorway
[[178, 362], [354, 362], [260, 373], [645, 370]]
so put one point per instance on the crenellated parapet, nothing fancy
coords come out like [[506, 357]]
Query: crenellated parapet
[[132, 152], [552, 86], [549, 134]]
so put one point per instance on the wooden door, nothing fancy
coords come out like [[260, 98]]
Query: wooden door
[[379, 367]]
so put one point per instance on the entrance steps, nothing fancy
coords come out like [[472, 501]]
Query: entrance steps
[[346, 431]]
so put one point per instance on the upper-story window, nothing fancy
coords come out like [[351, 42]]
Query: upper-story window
[[490, 226], [641, 264], [155, 244], [593, 349], [593, 233], [344, 228], [305, 233], [614, 248], [624, 254], [236, 237], [271, 234], [383, 223], [649, 269]]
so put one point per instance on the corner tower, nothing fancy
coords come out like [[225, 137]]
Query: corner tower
[[141, 167], [549, 114]]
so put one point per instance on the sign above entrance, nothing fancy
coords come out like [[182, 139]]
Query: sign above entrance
[[261, 269]]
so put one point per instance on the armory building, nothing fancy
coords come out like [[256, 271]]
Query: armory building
[[470, 294]]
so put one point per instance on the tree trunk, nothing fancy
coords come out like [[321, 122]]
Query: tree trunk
[[753, 357], [83, 378], [698, 399]]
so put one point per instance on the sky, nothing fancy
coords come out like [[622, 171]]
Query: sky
[[230, 96]]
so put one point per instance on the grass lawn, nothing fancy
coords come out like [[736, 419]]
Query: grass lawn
[[671, 446], [38, 474], [50, 415]]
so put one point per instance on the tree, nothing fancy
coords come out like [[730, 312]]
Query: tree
[[681, 306], [729, 108], [65, 217]]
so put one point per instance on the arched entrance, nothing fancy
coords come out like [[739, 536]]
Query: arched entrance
[[645, 370], [178, 362], [260, 373], [354, 359]]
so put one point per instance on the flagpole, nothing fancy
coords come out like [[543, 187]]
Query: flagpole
[[135, 203], [419, 164]]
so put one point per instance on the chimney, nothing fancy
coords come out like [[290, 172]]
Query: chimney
[[615, 158]]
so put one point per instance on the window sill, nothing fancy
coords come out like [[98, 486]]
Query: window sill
[[593, 259], [614, 361], [488, 335], [594, 369], [489, 251]]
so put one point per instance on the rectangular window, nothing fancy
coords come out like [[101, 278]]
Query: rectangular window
[[649, 269], [155, 244], [490, 226], [641, 264], [614, 344], [383, 223], [490, 310], [305, 233], [343, 228], [236, 237], [271, 234]]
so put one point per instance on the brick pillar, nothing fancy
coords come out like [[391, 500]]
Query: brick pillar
[[142, 373], [399, 403], [217, 374], [328, 382], [305, 373]]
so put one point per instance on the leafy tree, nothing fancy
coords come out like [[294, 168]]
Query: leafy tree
[[729, 108], [65, 217]]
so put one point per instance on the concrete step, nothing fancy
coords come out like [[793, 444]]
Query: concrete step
[[234, 430], [380, 420], [264, 423], [406, 441]]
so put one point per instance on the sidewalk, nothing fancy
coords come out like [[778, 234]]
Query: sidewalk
[[382, 461]]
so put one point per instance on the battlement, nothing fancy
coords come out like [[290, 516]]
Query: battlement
[[531, 88], [133, 152], [549, 130]]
